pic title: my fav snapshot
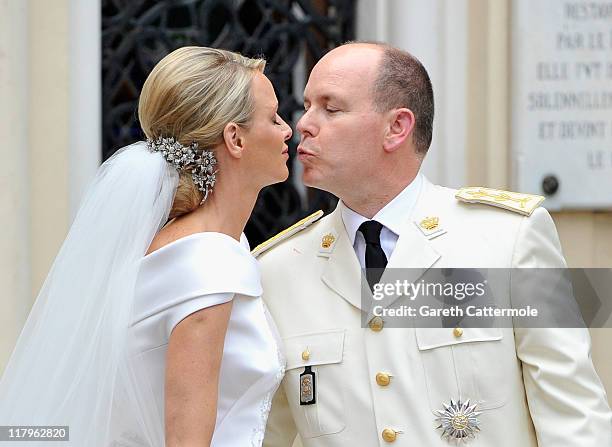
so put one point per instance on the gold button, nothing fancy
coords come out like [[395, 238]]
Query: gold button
[[376, 324], [389, 435], [457, 332], [305, 355], [383, 379]]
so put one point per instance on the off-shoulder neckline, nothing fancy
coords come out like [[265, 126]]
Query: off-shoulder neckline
[[192, 236]]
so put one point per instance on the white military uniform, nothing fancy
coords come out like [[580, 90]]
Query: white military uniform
[[380, 386]]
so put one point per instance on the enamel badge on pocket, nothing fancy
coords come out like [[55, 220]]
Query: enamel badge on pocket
[[307, 387]]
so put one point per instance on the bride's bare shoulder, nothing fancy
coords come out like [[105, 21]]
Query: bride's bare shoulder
[[171, 232]]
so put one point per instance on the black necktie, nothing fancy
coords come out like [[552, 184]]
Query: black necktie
[[375, 259]]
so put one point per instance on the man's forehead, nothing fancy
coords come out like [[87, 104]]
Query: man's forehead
[[345, 69]]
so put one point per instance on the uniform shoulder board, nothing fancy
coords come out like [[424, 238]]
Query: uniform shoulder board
[[514, 201], [286, 234]]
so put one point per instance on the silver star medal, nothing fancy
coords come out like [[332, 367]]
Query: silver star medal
[[458, 421]]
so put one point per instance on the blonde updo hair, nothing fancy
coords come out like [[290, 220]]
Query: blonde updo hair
[[191, 95]]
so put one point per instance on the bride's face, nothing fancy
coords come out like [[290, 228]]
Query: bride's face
[[266, 150]]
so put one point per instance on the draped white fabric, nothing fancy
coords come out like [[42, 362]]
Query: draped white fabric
[[92, 353], [190, 274], [70, 356]]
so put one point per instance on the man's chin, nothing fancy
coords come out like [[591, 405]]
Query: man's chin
[[310, 180], [315, 182]]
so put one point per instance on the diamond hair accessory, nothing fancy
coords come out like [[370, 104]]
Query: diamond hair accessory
[[202, 163]]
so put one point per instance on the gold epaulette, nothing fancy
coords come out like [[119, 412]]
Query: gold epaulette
[[514, 201], [285, 234]]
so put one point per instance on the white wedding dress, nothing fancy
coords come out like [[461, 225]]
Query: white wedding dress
[[91, 355], [192, 273]]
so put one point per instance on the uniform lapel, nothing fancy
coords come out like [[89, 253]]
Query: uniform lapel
[[342, 272], [413, 250]]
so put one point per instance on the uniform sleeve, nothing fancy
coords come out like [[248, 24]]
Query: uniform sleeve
[[566, 398], [281, 430]]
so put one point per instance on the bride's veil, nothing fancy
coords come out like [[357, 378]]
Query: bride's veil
[[68, 367]]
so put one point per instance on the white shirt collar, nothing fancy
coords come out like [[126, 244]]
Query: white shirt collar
[[393, 215]]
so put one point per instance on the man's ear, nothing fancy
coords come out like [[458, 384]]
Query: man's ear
[[234, 139], [401, 123]]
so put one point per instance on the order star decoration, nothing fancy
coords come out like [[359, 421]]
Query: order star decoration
[[458, 421]]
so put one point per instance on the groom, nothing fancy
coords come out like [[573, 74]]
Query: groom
[[366, 129]]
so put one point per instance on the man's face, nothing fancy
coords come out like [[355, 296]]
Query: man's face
[[341, 132]]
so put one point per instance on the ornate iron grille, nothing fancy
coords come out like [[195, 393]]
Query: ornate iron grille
[[136, 34]]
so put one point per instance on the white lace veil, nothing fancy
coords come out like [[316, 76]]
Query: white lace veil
[[68, 367]]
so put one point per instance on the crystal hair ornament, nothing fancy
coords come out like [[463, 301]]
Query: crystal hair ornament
[[202, 163]]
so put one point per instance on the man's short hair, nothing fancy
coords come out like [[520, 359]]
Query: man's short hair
[[403, 82]]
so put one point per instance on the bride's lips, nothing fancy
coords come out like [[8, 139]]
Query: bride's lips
[[285, 151]]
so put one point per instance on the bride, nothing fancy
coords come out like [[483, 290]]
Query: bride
[[149, 329]]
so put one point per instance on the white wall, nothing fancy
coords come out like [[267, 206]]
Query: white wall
[[50, 134], [435, 31], [14, 174], [85, 106]]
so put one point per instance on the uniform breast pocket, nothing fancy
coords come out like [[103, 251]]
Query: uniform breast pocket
[[323, 352], [469, 366]]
